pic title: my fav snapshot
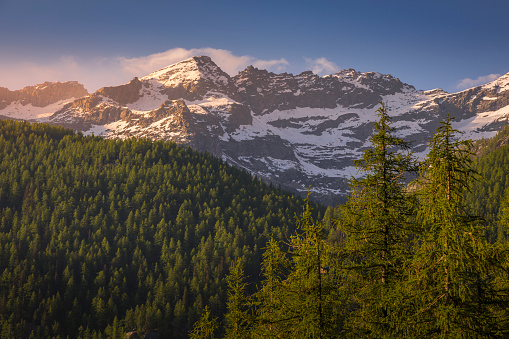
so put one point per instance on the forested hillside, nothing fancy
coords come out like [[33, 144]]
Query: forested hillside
[[491, 162], [100, 237]]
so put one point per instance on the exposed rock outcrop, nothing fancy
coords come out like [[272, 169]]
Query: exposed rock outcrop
[[42, 95], [124, 94]]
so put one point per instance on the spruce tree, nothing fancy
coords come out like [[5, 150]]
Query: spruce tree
[[377, 227], [453, 273]]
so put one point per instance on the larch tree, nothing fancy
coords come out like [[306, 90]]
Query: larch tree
[[309, 284], [270, 299], [452, 276], [299, 296], [205, 327], [238, 319], [377, 226]]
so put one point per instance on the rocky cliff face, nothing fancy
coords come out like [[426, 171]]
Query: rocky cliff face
[[40, 101], [42, 95], [292, 130], [124, 94]]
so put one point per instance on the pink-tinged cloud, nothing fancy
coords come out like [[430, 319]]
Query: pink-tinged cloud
[[321, 66], [469, 83], [93, 74]]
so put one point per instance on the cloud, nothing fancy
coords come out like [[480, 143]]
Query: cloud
[[100, 72], [226, 60], [272, 65], [321, 66], [93, 74], [27, 73], [469, 83]]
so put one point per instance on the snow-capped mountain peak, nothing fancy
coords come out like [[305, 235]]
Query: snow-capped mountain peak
[[190, 73]]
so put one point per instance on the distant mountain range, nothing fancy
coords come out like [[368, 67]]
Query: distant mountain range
[[297, 131]]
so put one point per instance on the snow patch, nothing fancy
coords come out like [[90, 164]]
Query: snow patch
[[29, 112], [103, 130], [472, 128]]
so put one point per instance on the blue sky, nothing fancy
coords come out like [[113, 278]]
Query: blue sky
[[448, 44]]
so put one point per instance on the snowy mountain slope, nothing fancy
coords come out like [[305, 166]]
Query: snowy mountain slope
[[296, 131]]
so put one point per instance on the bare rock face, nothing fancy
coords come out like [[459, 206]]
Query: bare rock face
[[6, 97], [365, 90], [42, 95], [476, 100], [124, 94], [239, 115], [265, 92], [85, 104], [383, 84], [176, 110]]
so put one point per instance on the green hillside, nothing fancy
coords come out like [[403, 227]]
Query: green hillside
[[99, 237], [492, 164]]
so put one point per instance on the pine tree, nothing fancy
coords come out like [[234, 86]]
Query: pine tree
[[310, 283], [376, 223], [452, 274]]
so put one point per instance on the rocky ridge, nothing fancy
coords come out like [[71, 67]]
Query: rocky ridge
[[40, 101], [292, 130]]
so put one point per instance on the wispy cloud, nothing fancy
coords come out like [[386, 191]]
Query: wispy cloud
[[225, 59], [469, 83], [101, 72], [321, 66], [93, 74]]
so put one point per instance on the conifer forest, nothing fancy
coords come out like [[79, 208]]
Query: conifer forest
[[131, 238]]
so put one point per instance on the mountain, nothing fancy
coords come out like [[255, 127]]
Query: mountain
[[40, 101], [295, 131]]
